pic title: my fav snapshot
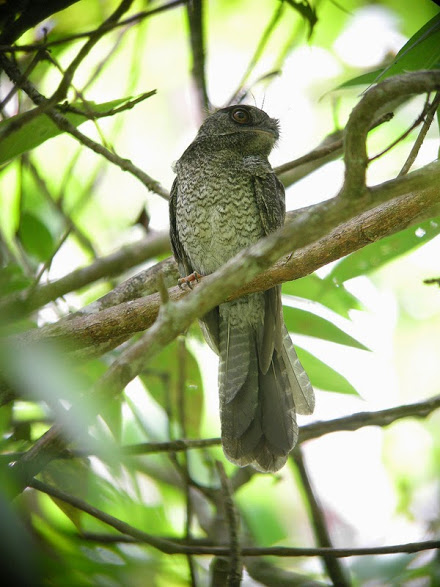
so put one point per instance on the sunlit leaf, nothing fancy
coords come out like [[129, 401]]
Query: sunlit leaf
[[322, 376], [377, 254], [41, 128], [310, 324], [325, 291], [422, 51], [35, 237]]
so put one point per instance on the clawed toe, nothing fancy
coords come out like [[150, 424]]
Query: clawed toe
[[188, 280]]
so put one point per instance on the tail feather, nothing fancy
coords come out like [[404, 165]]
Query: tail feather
[[257, 408], [300, 385]]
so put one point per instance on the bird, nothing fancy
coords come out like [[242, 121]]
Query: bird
[[224, 198]]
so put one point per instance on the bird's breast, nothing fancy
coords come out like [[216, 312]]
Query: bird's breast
[[217, 216]]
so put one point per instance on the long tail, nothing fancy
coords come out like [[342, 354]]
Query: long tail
[[258, 403]]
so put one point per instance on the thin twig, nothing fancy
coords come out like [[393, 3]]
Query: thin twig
[[432, 280], [421, 137], [109, 27], [235, 562], [170, 547], [181, 385], [46, 106], [403, 136], [335, 570]]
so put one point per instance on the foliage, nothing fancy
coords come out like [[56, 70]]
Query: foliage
[[128, 96]]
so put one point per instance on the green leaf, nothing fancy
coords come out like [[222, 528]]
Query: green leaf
[[385, 250], [310, 324], [71, 476], [163, 381], [365, 79], [12, 279], [325, 291], [422, 51], [306, 10], [32, 134], [322, 376], [35, 237]]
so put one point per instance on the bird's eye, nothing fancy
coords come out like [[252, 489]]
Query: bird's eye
[[241, 116]]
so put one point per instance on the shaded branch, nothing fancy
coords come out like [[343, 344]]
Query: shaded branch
[[48, 107], [169, 547], [109, 27], [111, 265], [232, 521], [423, 132], [335, 570]]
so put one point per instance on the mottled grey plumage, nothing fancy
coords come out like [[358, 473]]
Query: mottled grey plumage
[[226, 197]]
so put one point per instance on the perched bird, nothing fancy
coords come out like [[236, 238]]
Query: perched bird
[[224, 198]]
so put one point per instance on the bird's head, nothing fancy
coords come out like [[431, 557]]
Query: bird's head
[[244, 128]]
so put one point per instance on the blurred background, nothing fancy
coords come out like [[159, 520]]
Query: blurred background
[[374, 323]]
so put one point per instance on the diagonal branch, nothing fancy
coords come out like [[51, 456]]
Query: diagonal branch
[[321, 234], [171, 547], [48, 107], [111, 265]]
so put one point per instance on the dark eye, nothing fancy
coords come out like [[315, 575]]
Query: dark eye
[[241, 116]]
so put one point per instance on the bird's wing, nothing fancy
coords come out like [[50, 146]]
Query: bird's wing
[[269, 195], [210, 321], [178, 251]]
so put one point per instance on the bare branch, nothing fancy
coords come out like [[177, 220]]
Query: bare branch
[[335, 570], [47, 106], [333, 228], [109, 27], [235, 564], [328, 150], [423, 132], [170, 547], [104, 267], [362, 116]]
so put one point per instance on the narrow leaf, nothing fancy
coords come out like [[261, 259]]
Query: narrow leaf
[[377, 254], [35, 237], [32, 134], [304, 322], [422, 51], [325, 291], [322, 376]]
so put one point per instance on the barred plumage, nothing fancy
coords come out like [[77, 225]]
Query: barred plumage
[[226, 197]]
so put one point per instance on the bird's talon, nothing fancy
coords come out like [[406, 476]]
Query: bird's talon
[[188, 280]]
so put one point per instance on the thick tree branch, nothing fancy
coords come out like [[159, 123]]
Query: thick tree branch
[[323, 220], [111, 265], [362, 117]]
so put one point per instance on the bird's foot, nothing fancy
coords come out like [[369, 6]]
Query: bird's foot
[[188, 279]]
